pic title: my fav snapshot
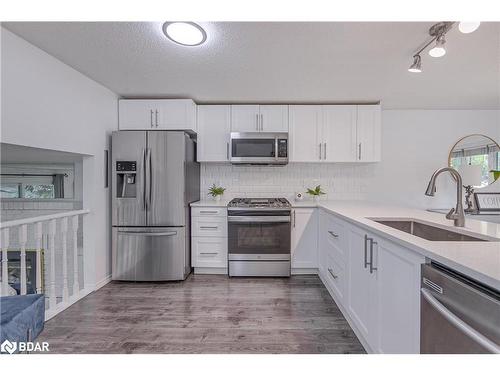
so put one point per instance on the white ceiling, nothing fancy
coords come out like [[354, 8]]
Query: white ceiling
[[281, 62]]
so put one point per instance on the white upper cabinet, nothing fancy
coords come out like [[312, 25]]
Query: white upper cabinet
[[161, 114], [335, 133], [368, 133], [273, 118], [259, 118], [339, 133], [304, 247], [304, 135], [214, 126]]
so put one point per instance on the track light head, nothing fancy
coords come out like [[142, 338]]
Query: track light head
[[416, 67], [438, 50], [468, 27]]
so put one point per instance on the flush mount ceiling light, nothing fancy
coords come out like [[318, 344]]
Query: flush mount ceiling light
[[185, 33], [438, 50], [468, 27], [416, 67], [437, 34]]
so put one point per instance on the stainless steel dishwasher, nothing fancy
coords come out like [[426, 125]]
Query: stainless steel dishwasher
[[458, 315]]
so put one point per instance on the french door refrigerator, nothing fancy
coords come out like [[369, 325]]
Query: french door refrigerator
[[155, 177]]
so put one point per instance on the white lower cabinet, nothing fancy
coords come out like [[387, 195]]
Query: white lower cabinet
[[209, 239], [375, 282], [304, 241]]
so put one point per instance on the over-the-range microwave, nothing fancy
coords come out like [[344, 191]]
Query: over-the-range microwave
[[259, 148]]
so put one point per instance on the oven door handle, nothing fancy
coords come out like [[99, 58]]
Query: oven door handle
[[258, 219], [459, 323]]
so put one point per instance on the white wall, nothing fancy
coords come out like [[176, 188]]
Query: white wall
[[48, 104], [417, 142]]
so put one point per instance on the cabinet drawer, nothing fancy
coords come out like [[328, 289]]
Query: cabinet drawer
[[333, 236], [335, 276], [208, 211], [209, 227], [209, 252]]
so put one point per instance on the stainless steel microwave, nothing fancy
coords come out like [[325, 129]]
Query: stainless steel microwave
[[259, 148]]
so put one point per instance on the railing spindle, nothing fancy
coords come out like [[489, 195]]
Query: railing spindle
[[52, 251], [23, 238], [74, 227], [64, 230], [5, 267], [39, 270]]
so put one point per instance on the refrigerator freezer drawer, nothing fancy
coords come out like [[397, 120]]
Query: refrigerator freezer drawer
[[149, 254]]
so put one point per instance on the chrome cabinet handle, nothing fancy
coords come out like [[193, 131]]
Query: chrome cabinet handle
[[156, 118], [227, 150], [459, 323], [151, 117], [359, 151], [371, 255], [209, 253], [257, 121], [324, 152], [294, 218], [320, 151], [208, 212], [331, 273], [206, 227], [334, 235], [366, 251], [261, 122]]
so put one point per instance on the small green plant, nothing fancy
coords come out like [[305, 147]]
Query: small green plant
[[214, 190], [316, 192]]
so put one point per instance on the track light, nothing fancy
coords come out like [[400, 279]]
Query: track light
[[438, 50], [416, 67], [468, 27]]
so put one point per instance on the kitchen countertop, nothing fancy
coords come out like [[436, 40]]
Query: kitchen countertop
[[478, 260]]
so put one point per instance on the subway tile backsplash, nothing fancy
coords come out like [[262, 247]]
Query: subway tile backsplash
[[339, 181]]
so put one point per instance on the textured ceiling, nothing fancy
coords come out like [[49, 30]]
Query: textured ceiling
[[281, 62]]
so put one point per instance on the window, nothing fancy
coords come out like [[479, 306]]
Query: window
[[10, 190]]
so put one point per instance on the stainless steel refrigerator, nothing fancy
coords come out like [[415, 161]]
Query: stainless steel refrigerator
[[155, 177]]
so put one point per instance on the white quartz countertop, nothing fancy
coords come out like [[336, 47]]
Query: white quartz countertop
[[478, 260]]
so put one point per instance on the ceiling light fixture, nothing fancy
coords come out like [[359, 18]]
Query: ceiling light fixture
[[185, 33], [468, 27], [438, 50], [416, 67]]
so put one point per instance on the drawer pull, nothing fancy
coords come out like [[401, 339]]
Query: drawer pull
[[331, 273], [209, 253], [208, 227], [208, 212], [334, 235]]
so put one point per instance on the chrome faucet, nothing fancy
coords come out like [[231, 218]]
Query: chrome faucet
[[456, 214]]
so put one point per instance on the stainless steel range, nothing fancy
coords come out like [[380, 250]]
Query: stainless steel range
[[259, 237]]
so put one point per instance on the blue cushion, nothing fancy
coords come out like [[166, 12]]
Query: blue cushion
[[20, 314]]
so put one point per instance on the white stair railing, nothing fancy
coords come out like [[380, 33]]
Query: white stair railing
[[61, 231]]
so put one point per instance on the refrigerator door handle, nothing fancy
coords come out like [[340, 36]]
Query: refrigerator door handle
[[147, 234], [148, 179], [143, 179]]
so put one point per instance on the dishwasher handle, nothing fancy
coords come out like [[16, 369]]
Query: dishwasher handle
[[459, 323]]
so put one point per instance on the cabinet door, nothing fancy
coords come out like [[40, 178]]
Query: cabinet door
[[136, 114], [339, 133], [368, 133], [214, 126], [398, 279], [209, 252], [274, 118], [176, 114], [245, 118], [304, 238], [362, 288], [304, 133]]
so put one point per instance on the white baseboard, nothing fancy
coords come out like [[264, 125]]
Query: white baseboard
[[210, 271], [304, 271], [103, 282]]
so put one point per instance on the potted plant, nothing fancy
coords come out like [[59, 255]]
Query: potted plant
[[315, 193], [216, 192]]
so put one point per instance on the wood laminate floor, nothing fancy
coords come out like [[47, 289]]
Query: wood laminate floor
[[205, 314]]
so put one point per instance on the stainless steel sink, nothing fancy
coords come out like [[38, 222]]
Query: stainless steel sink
[[428, 232]]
